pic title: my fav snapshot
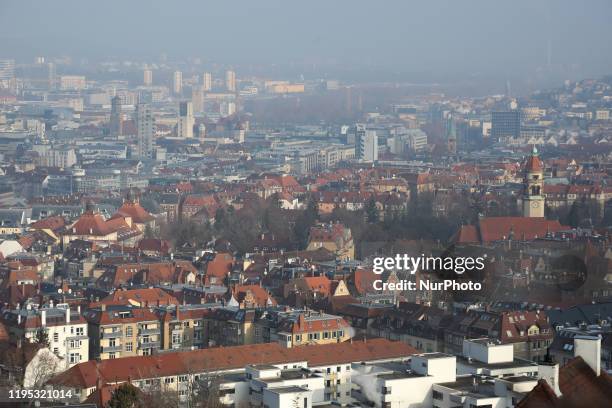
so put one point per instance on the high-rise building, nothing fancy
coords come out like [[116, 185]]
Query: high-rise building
[[115, 125], [197, 98], [230, 81], [207, 81], [505, 125], [147, 77], [145, 124], [52, 75], [7, 72], [367, 145], [177, 83], [184, 128]]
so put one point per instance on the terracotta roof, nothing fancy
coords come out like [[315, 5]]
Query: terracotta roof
[[54, 223], [135, 211], [149, 296], [220, 266], [91, 223], [260, 295], [86, 375], [498, 228], [319, 284], [533, 164]]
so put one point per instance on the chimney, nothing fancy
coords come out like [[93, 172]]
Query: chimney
[[589, 348], [79, 309], [549, 370], [18, 318], [43, 318], [68, 315]]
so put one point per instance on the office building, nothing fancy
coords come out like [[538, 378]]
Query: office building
[[505, 125], [230, 81], [7, 71], [144, 126], [147, 77], [366, 148], [197, 99], [185, 123], [72, 82], [115, 126], [177, 83], [52, 75], [207, 81]]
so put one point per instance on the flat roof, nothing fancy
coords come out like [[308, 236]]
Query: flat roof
[[516, 363], [287, 390]]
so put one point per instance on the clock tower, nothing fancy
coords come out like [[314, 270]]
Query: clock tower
[[533, 186]]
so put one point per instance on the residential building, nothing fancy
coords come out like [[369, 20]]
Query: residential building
[[145, 123], [122, 331], [65, 330]]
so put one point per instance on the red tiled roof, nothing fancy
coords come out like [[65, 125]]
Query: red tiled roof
[[499, 228], [533, 164], [135, 211], [149, 296], [53, 223], [86, 375], [91, 223]]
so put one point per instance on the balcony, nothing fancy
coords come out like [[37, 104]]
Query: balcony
[[112, 334], [142, 330], [110, 349], [148, 343]]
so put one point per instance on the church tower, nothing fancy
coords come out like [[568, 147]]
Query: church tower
[[533, 186]]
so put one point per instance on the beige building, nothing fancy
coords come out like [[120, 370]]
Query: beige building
[[119, 331]]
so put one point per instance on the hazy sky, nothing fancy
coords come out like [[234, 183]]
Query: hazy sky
[[442, 36]]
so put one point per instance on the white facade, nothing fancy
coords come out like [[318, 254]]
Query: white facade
[[230, 81], [207, 81], [177, 82], [368, 146]]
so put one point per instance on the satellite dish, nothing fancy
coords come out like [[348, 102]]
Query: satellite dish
[[59, 290]]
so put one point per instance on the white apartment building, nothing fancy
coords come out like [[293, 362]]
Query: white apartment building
[[66, 330], [367, 146]]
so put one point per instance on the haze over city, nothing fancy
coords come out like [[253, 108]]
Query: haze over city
[[280, 204]]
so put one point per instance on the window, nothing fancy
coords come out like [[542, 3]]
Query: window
[[111, 343], [169, 380], [386, 390], [182, 378], [338, 369], [128, 346], [112, 355], [437, 395], [55, 337], [348, 368], [74, 358], [129, 331]]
